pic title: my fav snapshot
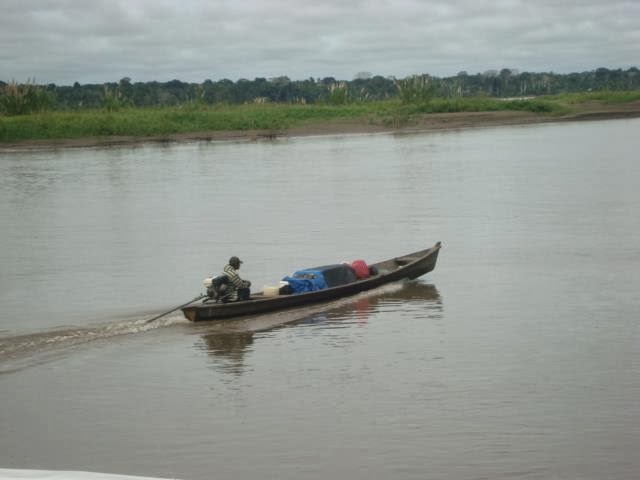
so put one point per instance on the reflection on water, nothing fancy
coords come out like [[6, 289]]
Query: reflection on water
[[230, 347], [229, 343], [420, 299]]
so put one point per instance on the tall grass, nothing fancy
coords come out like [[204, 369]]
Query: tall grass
[[338, 94], [124, 120], [114, 99], [415, 90], [24, 98]]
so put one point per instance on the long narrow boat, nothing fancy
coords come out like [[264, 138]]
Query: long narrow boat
[[410, 266]]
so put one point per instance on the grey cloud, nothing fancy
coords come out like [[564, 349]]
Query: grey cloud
[[98, 41]]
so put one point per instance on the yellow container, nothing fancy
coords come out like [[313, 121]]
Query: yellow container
[[268, 291]]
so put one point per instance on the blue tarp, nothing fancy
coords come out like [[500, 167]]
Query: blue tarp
[[318, 278], [306, 281]]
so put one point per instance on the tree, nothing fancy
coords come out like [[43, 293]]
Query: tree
[[363, 76]]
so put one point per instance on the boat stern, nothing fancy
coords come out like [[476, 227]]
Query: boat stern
[[190, 313]]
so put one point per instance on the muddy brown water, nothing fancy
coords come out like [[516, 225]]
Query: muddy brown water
[[517, 357]]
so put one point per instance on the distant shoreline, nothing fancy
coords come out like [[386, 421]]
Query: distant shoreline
[[419, 123]]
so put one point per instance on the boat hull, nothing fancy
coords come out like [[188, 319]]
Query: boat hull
[[408, 266]]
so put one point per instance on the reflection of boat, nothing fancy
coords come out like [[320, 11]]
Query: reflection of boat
[[410, 292], [363, 307], [228, 350], [408, 266], [230, 344]]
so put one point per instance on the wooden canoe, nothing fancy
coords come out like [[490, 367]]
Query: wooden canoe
[[410, 266]]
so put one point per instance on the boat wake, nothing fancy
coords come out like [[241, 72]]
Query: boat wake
[[20, 351]]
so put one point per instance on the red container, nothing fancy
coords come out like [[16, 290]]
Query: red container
[[361, 268]]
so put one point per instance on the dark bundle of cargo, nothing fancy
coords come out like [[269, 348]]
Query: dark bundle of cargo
[[318, 278]]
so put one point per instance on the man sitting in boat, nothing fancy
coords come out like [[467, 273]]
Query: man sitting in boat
[[237, 288]]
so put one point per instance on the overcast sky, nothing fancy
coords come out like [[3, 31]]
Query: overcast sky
[[96, 41]]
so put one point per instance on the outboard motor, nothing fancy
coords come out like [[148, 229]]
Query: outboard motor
[[216, 287]]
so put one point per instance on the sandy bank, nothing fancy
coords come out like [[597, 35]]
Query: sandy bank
[[424, 123]]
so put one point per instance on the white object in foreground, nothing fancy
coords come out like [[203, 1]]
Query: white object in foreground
[[15, 474]]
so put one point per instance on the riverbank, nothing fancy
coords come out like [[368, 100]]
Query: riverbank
[[359, 125]]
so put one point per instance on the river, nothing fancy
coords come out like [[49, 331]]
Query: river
[[517, 357]]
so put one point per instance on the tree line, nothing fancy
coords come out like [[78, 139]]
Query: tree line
[[328, 90]]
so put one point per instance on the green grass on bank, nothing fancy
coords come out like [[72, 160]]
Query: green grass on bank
[[165, 121], [600, 96], [483, 104], [143, 122]]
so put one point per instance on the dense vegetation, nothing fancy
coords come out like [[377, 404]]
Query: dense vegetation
[[30, 112], [125, 93], [270, 117]]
